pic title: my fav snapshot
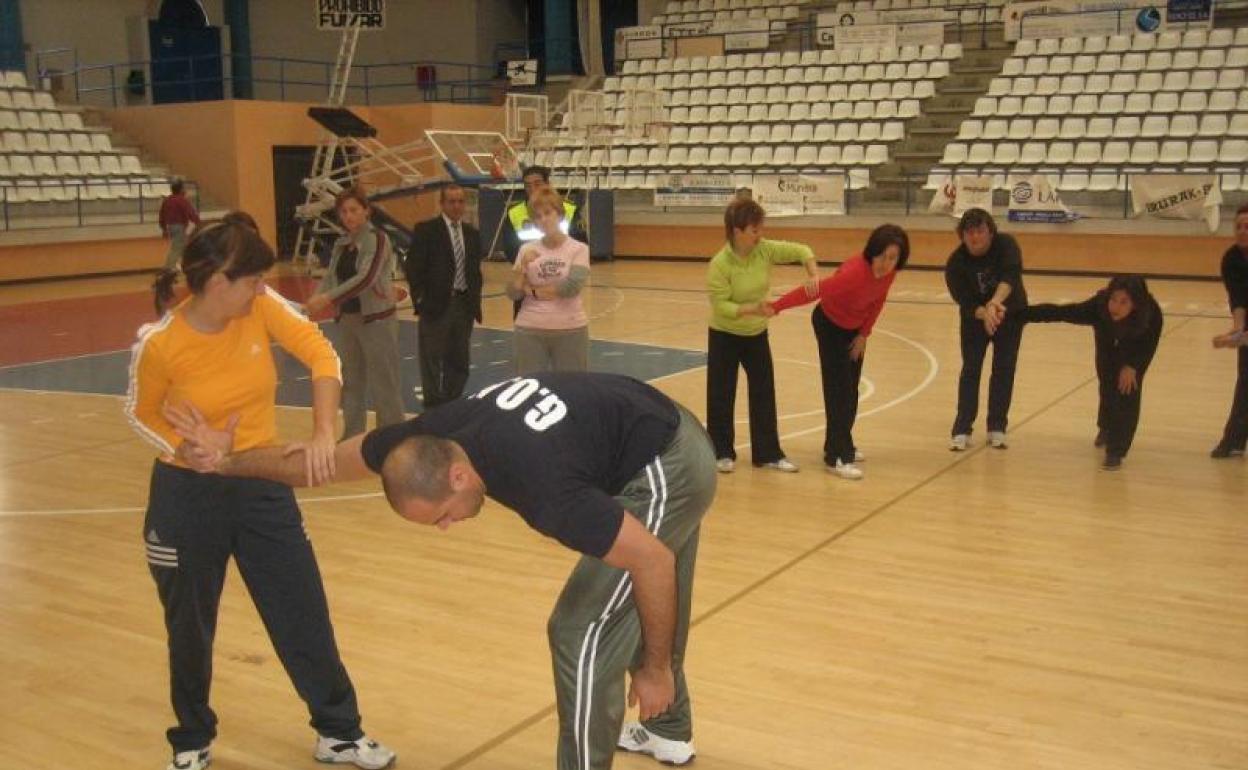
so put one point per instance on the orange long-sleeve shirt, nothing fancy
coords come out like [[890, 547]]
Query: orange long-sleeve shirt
[[223, 374]]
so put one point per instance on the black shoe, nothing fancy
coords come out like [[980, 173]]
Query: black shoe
[[1224, 450], [1112, 463], [1099, 441]]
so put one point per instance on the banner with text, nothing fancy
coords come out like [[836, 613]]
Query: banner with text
[[865, 36], [334, 15], [1034, 199], [958, 193], [792, 195], [1188, 11], [638, 43], [1081, 18], [908, 33], [1177, 196], [744, 34], [711, 190]]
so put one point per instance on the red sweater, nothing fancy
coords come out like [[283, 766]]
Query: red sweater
[[177, 210], [851, 298]]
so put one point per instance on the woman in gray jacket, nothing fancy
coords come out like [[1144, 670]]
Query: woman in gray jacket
[[358, 286]]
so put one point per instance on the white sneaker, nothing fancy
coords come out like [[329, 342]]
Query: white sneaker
[[996, 439], [784, 465], [959, 443], [196, 759], [846, 470], [859, 457], [638, 739], [365, 752], [725, 465]]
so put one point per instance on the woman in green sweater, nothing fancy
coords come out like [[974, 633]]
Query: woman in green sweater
[[739, 280]]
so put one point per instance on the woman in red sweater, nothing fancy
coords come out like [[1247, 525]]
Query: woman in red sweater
[[849, 302]]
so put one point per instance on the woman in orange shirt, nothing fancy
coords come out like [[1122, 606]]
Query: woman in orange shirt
[[211, 353]]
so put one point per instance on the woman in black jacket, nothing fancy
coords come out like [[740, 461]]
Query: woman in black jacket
[[1126, 323]]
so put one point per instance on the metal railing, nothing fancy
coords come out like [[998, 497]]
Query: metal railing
[[271, 77], [85, 206]]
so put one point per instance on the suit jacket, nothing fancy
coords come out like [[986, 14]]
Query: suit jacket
[[430, 267]]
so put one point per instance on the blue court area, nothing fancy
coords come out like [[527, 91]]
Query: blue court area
[[492, 360]]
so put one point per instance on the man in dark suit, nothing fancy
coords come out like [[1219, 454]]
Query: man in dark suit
[[444, 272]]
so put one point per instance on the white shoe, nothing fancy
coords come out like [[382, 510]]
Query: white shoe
[[859, 457], [196, 759], [784, 465], [959, 443], [846, 470], [725, 465], [996, 439], [638, 739], [365, 752]]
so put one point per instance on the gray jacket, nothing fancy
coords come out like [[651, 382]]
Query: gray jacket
[[372, 283]]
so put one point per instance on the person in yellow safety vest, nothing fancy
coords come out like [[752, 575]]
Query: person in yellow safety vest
[[522, 228]]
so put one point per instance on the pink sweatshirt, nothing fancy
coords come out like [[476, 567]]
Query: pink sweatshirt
[[550, 269]]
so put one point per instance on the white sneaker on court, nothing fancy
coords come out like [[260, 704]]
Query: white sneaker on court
[[365, 752], [725, 465], [196, 759], [784, 464], [846, 471], [859, 456], [996, 439], [959, 443], [638, 739]]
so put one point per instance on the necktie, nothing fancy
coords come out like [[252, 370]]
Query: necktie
[[457, 243]]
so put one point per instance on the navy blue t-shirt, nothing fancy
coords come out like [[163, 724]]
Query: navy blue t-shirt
[[553, 447]]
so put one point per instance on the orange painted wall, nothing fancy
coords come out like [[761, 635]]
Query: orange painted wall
[[1085, 252], [47, 260], [227, 147]]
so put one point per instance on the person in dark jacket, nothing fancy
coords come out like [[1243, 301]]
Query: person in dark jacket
[[985, 278], [1235, 279], [1126, 324]]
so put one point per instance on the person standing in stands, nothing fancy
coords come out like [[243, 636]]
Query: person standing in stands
[[444, 274], [551, 329], [177, 216], [985, 278], [358, 285], [850, 301], [1235, 279], [738, 280], [213, 350], [1126, 325]]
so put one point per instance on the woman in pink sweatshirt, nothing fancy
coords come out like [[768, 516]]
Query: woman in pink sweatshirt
[[849, 302]]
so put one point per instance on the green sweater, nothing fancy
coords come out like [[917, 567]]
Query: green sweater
[[733, 282]]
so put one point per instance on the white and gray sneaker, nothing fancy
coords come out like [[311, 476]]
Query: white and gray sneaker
[[725, 465], [364, 752], [996, 439], [784, 465], [195, 759], [959, 443], [638, 739], [846, 471]]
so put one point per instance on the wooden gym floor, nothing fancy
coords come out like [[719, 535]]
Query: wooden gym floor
[[988, 610]]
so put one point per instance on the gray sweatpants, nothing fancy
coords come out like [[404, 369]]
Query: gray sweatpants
[[595, 632], [370, 372], [547, 350], [177, 242]]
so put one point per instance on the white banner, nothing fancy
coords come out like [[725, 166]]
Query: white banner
[[916, 15], [1034, 199], [638, 42], [961, 192], [1177, 196], [1081, 18], [865, 35], [335, 15], [744, 34], [792, 195], [713, 190], [925, 33]]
